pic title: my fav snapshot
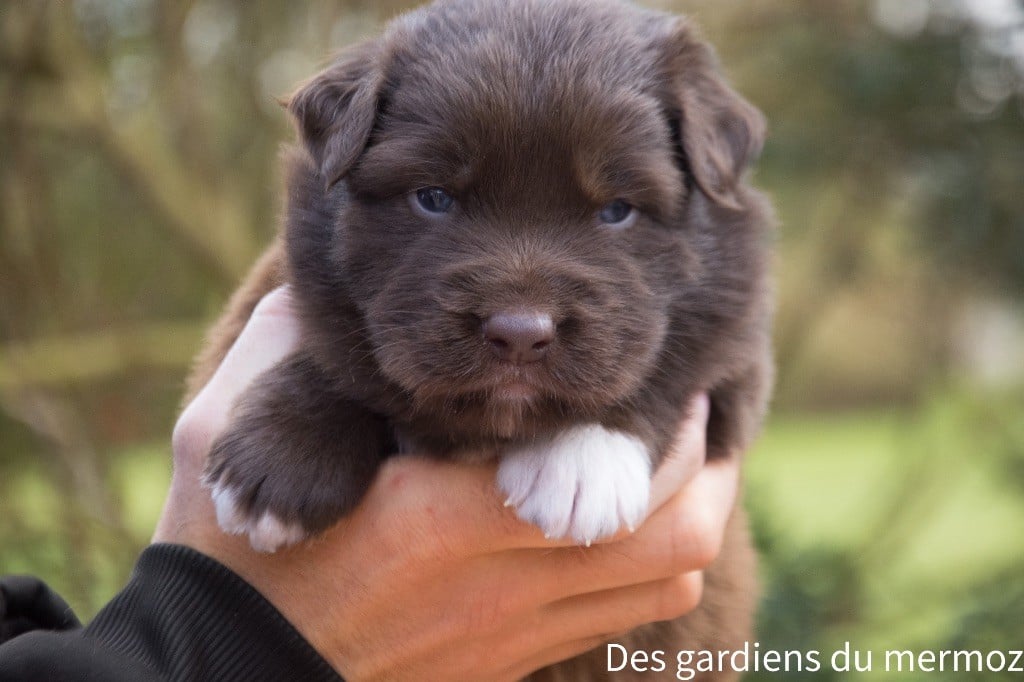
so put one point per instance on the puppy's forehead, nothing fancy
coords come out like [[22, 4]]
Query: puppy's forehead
[[566, 83], [614, 42]]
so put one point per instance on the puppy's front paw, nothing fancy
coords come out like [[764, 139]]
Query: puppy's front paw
[[586, 483], [279, 488], [266, 531], [296, 458]]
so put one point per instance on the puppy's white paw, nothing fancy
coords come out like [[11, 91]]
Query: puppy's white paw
[[585, 483], [267, 533]]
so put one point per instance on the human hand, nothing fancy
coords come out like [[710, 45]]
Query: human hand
[[431, 576]]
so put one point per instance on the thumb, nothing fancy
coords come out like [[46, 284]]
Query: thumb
[[270, 335]]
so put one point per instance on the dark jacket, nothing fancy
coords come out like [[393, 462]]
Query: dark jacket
[[182, 616]]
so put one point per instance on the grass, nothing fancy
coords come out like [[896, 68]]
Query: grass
[[837, 480]]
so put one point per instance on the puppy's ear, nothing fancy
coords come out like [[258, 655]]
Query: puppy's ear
[[719, 131], [336, 110]]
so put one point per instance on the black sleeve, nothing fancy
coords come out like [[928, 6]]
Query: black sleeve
[[182, 616]]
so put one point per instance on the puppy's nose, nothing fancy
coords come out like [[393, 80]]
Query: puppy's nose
[[521, 337]]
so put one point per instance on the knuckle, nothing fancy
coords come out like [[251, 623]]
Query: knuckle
[[192, 435], [392, 478], [696, 540], [679, 595], [707, 541]]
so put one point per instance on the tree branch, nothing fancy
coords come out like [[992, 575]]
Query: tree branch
[[68, 359]]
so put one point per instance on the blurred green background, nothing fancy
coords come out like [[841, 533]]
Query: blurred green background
[[138, 173]]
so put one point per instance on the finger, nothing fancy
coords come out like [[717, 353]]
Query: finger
[[684, 535], [687, 532], [576, 625], [513, 643], [554, 654], [270, 334], [686, 455], [622, 609]]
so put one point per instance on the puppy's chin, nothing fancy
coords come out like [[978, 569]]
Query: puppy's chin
[[515, 393], [497, 387], [509, 409], [505, 394], [504, 383]]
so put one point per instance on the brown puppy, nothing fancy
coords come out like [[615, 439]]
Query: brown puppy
[[515, 230]]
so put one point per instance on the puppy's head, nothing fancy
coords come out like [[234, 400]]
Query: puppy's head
[[513, 194]]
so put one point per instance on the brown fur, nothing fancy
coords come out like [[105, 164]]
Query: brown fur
[[533, 115]]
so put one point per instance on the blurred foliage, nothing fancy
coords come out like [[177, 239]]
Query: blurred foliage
[[923, 546], [138, 180]]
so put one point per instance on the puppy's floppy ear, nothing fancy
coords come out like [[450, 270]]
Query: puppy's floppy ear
[[336, 109], [720, 132]]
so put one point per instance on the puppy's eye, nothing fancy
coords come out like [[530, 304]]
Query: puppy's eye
[[618, 214], [433, 200]]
